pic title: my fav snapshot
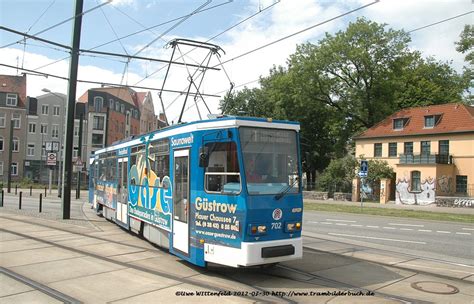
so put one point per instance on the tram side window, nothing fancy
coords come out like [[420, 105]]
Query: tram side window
[[159, 159], [101, 172], [222, 174]]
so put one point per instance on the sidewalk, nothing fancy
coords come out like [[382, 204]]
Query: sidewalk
[[392, 205]]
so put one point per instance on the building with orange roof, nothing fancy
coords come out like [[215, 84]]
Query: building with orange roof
[[431, 150], [149, 121], [112, 113]]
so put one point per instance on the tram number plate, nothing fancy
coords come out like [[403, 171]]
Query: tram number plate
[[276, 225]]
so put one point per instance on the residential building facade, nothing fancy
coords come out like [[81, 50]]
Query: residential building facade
[[46, 125], [431, 150], [113, 114], [12, 114]]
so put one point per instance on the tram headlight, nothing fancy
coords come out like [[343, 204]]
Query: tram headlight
[[292, 226], [258, 229]]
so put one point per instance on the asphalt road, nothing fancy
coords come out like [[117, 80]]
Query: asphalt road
[[444, 238]]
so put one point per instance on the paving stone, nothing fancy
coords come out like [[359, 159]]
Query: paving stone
[[29, 297], [10, 286], [40, 255]]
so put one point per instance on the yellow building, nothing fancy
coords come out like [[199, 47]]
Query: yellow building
[[431, 150]]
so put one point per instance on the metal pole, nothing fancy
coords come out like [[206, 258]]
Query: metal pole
[[79, 155], [50, 179], [31, 190], [3, 197], [9, 177], [16, 189], [41, 202], [19, 200], [71, 94]]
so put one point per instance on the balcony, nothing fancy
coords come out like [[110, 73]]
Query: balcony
[[426, 159]]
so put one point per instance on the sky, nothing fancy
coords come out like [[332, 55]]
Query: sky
[[123, 26]]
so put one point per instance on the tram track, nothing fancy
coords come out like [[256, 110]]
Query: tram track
[[39, 287], [410, 257], [253, 296]]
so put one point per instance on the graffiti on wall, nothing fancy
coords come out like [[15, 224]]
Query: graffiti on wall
[[425, 196], [444, 184]]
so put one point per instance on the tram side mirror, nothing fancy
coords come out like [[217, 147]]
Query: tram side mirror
[[203, 157]]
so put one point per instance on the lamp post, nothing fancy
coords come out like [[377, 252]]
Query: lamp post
[[46, 90]]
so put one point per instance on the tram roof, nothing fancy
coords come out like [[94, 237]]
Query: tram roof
[[222, 122]]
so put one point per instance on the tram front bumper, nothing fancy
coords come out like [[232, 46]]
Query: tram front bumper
[[255, 253]]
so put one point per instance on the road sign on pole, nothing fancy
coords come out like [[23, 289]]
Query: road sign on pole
[[51, 159], [364, 168], [78, 165]]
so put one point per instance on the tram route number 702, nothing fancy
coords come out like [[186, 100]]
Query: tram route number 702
[[276, 225]]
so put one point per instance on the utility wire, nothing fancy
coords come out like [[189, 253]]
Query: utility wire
[[298, 32], [97, 82], [226, 30], [58, 24], [441, 21], [38, 19]]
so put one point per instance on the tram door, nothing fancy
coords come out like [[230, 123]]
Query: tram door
[[181, 201], [122, 192]]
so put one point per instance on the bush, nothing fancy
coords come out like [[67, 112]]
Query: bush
[[339, 174]]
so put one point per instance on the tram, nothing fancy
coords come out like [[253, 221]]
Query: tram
[[224, 190]]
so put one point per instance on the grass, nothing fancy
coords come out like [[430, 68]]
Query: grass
[[417, 214]]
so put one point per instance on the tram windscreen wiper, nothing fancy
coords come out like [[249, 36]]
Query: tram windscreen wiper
[[286, 190]]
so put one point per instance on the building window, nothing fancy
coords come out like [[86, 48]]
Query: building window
[[432, 120], [16, 120], [31, 150], [15, 169], [75, 152], [1, 167], [117, 106], [44, 129], [98, 103], [425, 147], [1, 143], [122, 109], [443, 147], [98, 123], [408, 148], [392, 149], [32, 127], [127, 118], [111, 104], [461, 184], [415, 181], [16, 144], [55, 131], [76, 131], [12, 99], [399, 123], [377, 150], [56, 111], [44, 109], [97, 139], [3, 120]]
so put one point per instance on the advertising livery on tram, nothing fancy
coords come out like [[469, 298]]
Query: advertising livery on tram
[[225, 190]]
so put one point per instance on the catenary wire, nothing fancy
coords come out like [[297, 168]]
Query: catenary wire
[[441, 21]]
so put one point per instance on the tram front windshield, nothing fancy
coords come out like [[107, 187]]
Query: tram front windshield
[[270, 160]]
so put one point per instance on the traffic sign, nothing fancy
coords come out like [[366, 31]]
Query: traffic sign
[[78, 165], [51, 159], [364, 168]]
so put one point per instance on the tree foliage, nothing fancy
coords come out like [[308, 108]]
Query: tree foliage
[[340, 172], [344, 84], [466, 43], [378, 169]]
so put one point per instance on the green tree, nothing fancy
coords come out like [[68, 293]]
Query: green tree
[[339, 174], [378, 169], [466, 43]]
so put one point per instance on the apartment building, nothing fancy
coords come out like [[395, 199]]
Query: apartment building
[[12, 115], [431, 150]]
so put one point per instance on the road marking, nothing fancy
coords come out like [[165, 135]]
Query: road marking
[[332, 220], [393, 228], [311, 222], [409, 225], [326, 223], [463, 233], [372, 226], [472, 229], [407, 229], [442, 231], [341, 224], [425, 230], [356, 225], [375, 238]]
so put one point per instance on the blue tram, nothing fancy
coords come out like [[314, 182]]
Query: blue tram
[[224, 190]]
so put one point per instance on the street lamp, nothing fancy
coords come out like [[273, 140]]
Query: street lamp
[[46, 90]]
